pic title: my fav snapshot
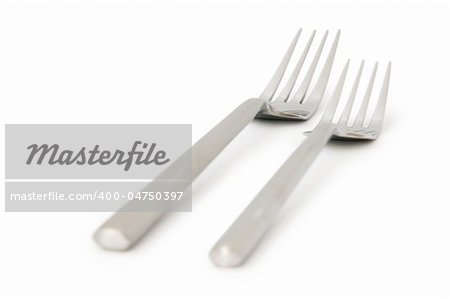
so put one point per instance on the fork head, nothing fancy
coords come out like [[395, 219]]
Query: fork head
[[297, 106], [358, 130]]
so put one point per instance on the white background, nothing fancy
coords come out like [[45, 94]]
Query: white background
[[368, 220]]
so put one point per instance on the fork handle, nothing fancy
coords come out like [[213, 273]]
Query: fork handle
[[123, 229], [247, 230]]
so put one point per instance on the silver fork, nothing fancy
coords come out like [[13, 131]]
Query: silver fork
[[124, 229], [242, 237]]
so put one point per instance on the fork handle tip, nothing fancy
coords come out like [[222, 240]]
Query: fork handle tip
[[112, 239], [225, 256]]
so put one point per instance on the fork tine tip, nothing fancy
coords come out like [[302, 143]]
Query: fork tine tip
[[337, 36], [346, 66]]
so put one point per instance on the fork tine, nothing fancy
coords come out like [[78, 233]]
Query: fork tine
[[378, 115], [284, 95], [270, 89], [301, 91], [319, 89], [334, 100], [343, 120], [359, 121]]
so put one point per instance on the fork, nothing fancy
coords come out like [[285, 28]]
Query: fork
[[124, 229], [242, 237]]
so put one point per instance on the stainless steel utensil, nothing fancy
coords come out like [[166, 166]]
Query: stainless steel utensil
[[124, 229], [242, 237]]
